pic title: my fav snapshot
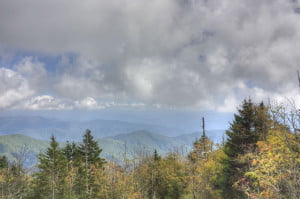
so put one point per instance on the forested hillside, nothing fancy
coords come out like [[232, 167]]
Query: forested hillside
[[259, 159], [113, 146]]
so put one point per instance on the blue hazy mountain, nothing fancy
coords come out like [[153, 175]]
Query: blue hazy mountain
[[114, 136], [115, 146], [149, 141], [42, 128], [18, 146]]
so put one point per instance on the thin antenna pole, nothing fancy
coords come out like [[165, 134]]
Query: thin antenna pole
[[203, 134], [203, 127]]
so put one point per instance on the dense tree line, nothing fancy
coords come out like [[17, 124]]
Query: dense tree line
[[260, 158]]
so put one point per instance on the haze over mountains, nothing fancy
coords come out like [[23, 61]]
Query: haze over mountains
[[42, 128], [113, 136]]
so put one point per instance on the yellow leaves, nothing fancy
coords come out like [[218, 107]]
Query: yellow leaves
[[251, 175], [255, 162], [273, 165], [2, 178], [260, 144]]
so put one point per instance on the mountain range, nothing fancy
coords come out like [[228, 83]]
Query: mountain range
[[42, 128], [115, 137]]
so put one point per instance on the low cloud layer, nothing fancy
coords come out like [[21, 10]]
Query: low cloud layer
[[174, 53]]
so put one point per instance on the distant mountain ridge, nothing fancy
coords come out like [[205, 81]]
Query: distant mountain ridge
[[42, 128], [113, 146], [15, 145], [149, 141], [115, 137]]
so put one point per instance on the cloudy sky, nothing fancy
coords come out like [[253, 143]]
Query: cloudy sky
[[203, 55]]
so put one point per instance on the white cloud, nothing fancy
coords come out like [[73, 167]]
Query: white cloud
[[88, 103], [34, 71], [13, 88], [230, 104], [45, 102], [190, 54], [48, 102]]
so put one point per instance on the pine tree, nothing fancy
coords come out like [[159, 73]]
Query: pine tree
[[71, 153], [263, 122], [3, 162], [242, 135], [49, 180], [91, 163], [156, 157], [249, 126], [155, 180]]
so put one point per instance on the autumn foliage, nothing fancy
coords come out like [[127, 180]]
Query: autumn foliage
[[260, 158]]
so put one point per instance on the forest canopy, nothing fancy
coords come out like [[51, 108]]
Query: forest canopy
[[260, 158]]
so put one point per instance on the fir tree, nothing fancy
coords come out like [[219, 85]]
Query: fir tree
[[249, 126], [242, 134], [49, 180], [71, 153], [3, 162], [92, 163], [156, 157], [263, 122]]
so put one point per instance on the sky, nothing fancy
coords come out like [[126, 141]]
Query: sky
[[181, 55]]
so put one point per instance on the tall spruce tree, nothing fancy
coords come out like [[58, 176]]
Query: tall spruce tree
[[71, 153], [249, 126], [242, 134], [49, 180], [91, 163], [263, 121], [3, 162]]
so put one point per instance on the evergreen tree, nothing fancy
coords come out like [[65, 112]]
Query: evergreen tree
[[242, 135], [91, 164], [49, 180], [71, 153], [156, 157], [155, 180], [263, 121], [249, 126], [3, 162]]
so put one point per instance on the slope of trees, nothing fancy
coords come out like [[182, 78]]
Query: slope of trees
[[259, 159], [262, 154]]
